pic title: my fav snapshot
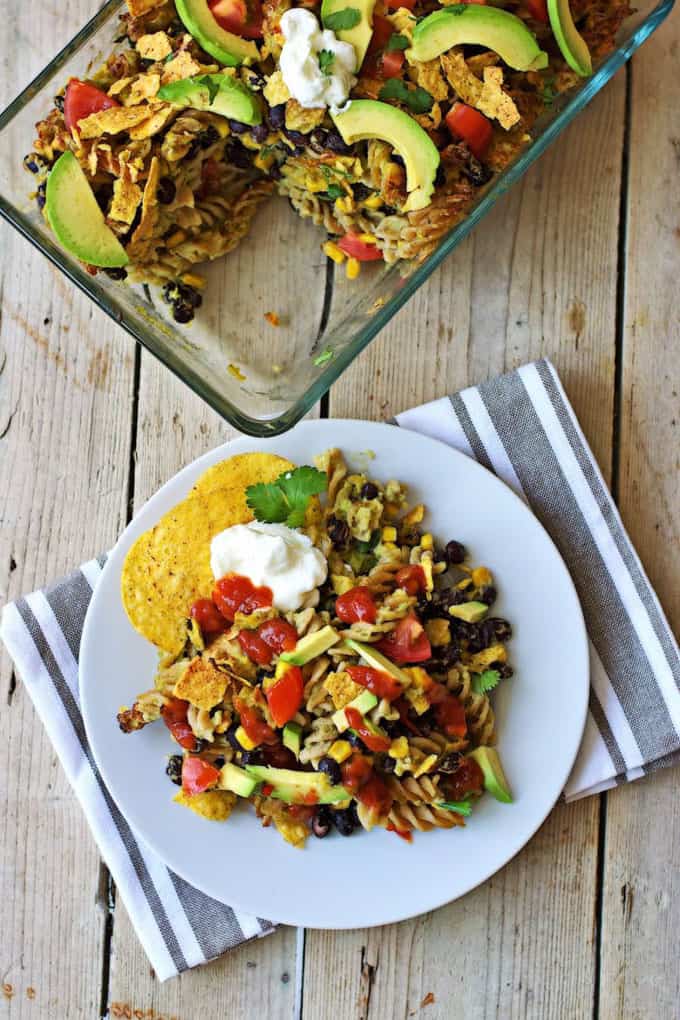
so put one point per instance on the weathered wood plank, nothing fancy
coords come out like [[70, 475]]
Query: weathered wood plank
[[538, 278], [641, 898]]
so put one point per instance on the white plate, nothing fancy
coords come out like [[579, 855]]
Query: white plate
[[370, 878]]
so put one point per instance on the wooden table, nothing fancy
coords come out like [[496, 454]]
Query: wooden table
[[581, 263]]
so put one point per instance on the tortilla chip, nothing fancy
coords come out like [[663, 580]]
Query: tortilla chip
[[112, 121], [155, 46], [168, 567], [487, 97], [126, 198], [149, 215], [160, 116], [138, 7], [202, 684], [215, 805], [181, 66]]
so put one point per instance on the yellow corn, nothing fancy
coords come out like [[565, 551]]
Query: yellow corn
[[425, 765], [333, 252], [481, 576], [426, 541], [341, 584], [244, 740], [390, 547], [414, 516], [175, 239], [281, 669], [345, 204], [353, 269], [340, 750], [398, 748], [194, 280], [389, 534], [374, 202], [368, 238]]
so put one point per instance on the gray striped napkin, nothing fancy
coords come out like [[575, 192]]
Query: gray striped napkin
[[520, 426]]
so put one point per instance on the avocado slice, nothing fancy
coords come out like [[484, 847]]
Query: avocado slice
[[572, 45], [225, 47], [363, 703], [495, 782], [312, 645], [218, 93], [372, 657], [360, 35], [490, 27], [471, 612], [368, 118], [293, 786], [76, 219], [237, 780], [292, 737]]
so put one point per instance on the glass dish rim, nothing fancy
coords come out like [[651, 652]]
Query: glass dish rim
[[259, 427]]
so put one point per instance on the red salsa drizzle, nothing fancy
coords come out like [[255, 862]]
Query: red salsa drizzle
[[355, 606], [236, 594], [208, 617], [356, 771], [411, 579], [373, 741], [174, 714], [256, 729], [375, 680], [467, 779], [404, 833]]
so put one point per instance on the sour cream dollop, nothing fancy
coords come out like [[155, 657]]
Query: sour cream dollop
[[270, 554], [299, 62]]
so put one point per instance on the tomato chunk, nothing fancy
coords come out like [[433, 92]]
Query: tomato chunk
[[353, 246], [285, 696], [391, 63], [373, 741], [411, 579], [394, 5], [450, 716], [174, 715], [355, 772], [375, 795], [81, 99], [255, 648], [208, 617], [239, 17], [408, 642], [278, 634], [538, 10], [468, 778], [256, 728], [198, 775], [236, 594], [471, 126], [355, 606], [376, 680]]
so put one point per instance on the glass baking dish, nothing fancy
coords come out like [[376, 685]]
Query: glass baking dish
[[263, 378]]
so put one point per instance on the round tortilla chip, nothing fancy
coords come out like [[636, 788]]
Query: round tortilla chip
[[168, 567]]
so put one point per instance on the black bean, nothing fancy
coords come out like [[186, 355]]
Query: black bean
[[476, 172], [255, 79], [238, 155], [488, 595], [193, 149], [238, 128], [336, 143], [440, 176], [253, 757], [486, 635], [463, 630], [449, 762], [208, 137], [166, 191], [34, 163], [59, 103], [174, 769], [274, 172], [446, 656], [218, 762], [344, 821], [200, 744], [331, 768], [116, 273], [322, 821], [369, 491], [297, 137], [317, 140], [338, 531], [260, 132], [40, 196], [396, 158], [455, 552], [385, 763], [503, 669], [355, 740], [182, 312], [361, 191], [277, 116], [232, 738], [502, 628]]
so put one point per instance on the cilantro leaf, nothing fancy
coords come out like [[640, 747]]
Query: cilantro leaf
[[417, 99], [348, 17], [484, 682], [326, 60], [461, 807], [285, 500], [397, 42], [209, 82], [335, 191]]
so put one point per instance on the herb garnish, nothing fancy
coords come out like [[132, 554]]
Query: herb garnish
[[285, 500], [397, 42], [484, 682], [417, 99], [348, 17], [461, 807], [326, 59]]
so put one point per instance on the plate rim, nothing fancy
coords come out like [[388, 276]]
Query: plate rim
[[191, 471]]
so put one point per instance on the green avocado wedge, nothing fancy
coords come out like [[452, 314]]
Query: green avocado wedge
[[218, 93], [571, 43], [474, 25], [360, 35], [368, 118], [230, 50], [76, 219]]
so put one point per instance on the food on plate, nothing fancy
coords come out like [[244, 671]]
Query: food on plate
[[319, 654], [378, 120]]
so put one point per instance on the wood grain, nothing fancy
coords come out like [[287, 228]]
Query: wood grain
[[539, 273], [641, 897]]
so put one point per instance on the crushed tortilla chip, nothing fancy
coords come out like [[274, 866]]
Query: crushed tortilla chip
[[428, 74], [276, 90], [341, 688], [202, 684], [300, 118], [487, 97], [154, 47], [215, 805], [149, 215], [126, 198], [112, 121], [139, 7], [160, 117], [181, 66]]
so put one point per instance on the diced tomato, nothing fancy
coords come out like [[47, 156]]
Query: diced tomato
[[360, 250], [174, 714], [376, 680], [278, 634], [404, 833], [436, 693], [382, 30], [81, 99], [355, 606], [538, 10], [468, 124], [279, 756], [267, 788], [450, 716], [255, 648], [375, 795], [468, 778], [411, 579], [236, 594], [256, 729], [301, 811], [198, 775], [285, 696], [208, 617], [356, 771], [394, 5], [390, 64], [402, 707], [311, 797], [239, 17], [408, 642], [373, 741]]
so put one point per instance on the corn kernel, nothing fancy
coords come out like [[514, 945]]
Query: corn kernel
[[398, 748], [425, 766], [462, 585], [244, 740], [332, 251], [341, 584], [427, 541], [175, 239], [368, 238], [414, 516], [390, 547], [481, 576], [353, 269], [344, 205], [374, 202], [340, 750], [193, 280], [389, 534]]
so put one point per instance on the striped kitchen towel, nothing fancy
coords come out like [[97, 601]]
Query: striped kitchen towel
[[522, 427]]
